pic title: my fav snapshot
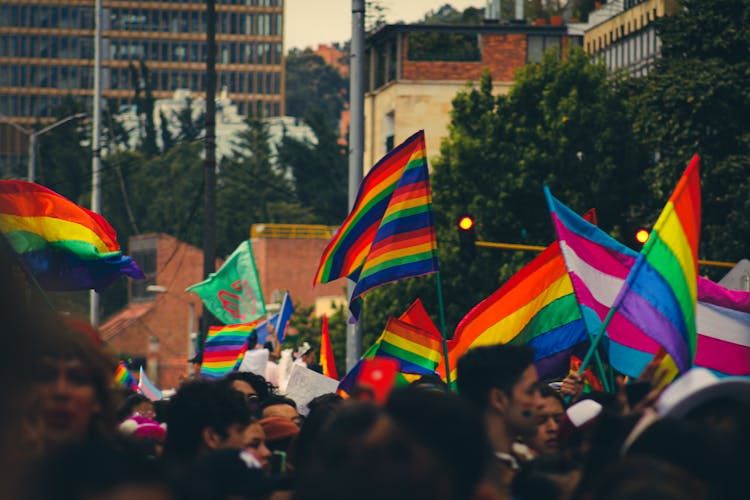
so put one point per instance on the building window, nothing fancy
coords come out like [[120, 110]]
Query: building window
[[143, 251], [425, 46], [537, 45]]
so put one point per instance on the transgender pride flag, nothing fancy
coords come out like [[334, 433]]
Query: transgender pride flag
[[147, 388], [598, 266]]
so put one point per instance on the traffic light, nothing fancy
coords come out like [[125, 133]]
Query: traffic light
[[466, 236], [642, 235]]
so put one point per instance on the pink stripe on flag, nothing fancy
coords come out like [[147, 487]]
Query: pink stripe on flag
[[722, 356]]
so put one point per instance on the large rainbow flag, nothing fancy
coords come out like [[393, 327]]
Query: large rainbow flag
[[64, 246], [224, 349], [390, 233], [660, 293], [536, 306], [598, 265]]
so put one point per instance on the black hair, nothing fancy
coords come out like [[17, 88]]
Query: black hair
[[545, 391], [126, 408], [263, 388], [431, 382], [462, 447], [492, 367], [322, 409], [92, 469], [197, 405], [277, 399]]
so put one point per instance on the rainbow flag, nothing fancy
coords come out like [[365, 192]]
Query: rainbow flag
[[124, 378], [417, 351], [660, 293], [536, 306], [65, 246], [225, 346], [390, 233], [599, 265], [327, 361]]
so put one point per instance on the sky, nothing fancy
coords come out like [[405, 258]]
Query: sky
[[308, 23]]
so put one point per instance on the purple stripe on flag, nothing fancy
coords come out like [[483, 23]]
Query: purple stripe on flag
[[637, 310]]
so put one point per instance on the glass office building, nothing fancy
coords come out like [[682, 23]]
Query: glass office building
[[47, 53]]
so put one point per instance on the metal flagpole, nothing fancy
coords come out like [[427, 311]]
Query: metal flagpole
[[356, 151], [96, 162]]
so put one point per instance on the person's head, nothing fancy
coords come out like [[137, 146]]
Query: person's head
[[430, 383], [226, 474], [256, 443], [135, 404], [205, 415], [550, 411], [280, 406], [95, 469], [73, 377], [253, 387], [501, 380]]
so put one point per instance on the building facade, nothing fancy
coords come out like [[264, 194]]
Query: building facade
[[47, 53], [413, 72], [623, 35]]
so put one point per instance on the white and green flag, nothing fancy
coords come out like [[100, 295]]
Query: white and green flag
[[233, 293]]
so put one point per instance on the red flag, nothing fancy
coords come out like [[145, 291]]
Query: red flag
[[416, 315], [327, 361], [589, 379]]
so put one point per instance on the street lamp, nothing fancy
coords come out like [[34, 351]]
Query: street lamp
[[191, 320], [33, 134]]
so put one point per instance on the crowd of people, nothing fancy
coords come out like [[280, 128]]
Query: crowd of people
[[500, 433]]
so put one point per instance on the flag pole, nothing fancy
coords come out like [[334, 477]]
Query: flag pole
[[441, 310], [616, 305]]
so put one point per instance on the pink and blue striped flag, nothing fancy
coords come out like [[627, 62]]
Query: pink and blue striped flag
[[147, 388], [598, 266]]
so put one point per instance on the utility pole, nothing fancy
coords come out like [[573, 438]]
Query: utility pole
[[96, 162], [209, 170], [33, 134], [356, 150]]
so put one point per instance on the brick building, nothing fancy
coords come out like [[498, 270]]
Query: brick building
[[287, 257], [414, 71], [155, 327]]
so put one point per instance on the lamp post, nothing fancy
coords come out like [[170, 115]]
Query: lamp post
[[33, 134], [191, 321]]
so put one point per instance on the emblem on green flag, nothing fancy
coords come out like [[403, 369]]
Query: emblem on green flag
[[233, 293]]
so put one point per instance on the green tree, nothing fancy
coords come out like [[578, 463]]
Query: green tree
[[564, 124], [311, 82], [319, 169], [308, 328], [697, 100], [140, 79], [63, 159], [252, 189]]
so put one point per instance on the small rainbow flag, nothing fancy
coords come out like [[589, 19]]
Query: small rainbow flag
[[327, 361], [124, 378], [417, 351], [65, 246], [225, 346]]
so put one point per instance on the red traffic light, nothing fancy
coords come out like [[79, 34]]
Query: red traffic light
[[466, 223], [641, 236]]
